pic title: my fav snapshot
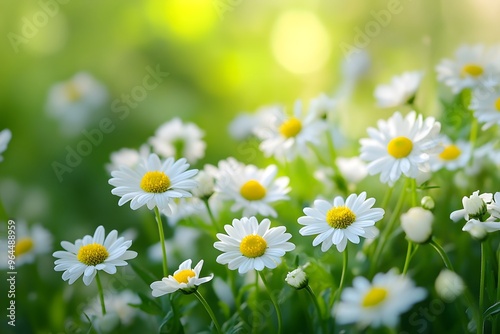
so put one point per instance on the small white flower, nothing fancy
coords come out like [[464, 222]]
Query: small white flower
[[253, 190], [154, 183], [400, 146], [30, 243], [245, 124], [185, 279], [321, 107], [286, 137], [178, 139], [472, 67], [5, 136], [297, 278], [449, 285], [92, 253], [453, 155], [400, 91], [417, 224], [427, 203], [494, 206], [117, 303], [249, 245], [340, 221], [127, 157], [485, 103], [474, 226], [74, 101], [206, 184], [353, 169], [379, 302], [475, 207]]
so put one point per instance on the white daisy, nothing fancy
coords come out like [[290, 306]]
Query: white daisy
[[485, 103], [252, 189], [30, 243], [154, 183], [400, 91], [477, 227], [127, 157], [245, 124], [322, 106], [184, 279], [74, 101], [353, 169], [92, 253], [116, 302], [453, 155], [286, 137], [178, 139], [337, 222], [5, 136], [400, 146], [475, 207], [472, 67], [249, 245], [379, 302]]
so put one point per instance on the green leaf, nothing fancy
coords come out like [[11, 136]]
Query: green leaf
[[148, 305], [146, 276], [492, 310], [170, 324]]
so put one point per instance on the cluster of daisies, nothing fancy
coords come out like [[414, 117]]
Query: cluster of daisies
[[406, 152]]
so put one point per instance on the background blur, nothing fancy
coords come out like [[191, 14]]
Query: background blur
[[222, 56]]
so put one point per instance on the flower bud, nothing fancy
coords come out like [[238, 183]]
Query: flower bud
[[417, 224], [297, 278], [427, 203], [449, 285], [475, 206]]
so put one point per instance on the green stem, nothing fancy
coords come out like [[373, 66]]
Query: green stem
[[318, 309], [211, 215], [162, 241], [101, 292], [342, 277], [273, 300], [480, 323], [442, 253], [388, 229], [413, 192], [408, 257], [209, 310], [473, 132], [387, 197]]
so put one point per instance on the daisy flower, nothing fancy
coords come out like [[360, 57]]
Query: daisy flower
[[473, 66], [74, 101], [340, 221], [353, 169], [252, 189], [30, 243], [249, 245], [479, 228], [92, 253], [5, 136], [285, 137], [400, 146], [475, 207], [185, 279], [400, 91], [379, 302], [244, 124], [178, 139], [453, 155], [127, 157], [485, 103], [154, 183]]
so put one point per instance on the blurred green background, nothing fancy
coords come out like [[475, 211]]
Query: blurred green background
[[222, 56]]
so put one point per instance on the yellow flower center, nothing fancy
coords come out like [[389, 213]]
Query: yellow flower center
[[72, 92], [400, 147], [252, 190], [374, 297], [92, 254], [183, 275], [473, 70], [450, 152], [290, 127], [497, 104], [253, 245], [340, 217], [23, 246], [155, 182]]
